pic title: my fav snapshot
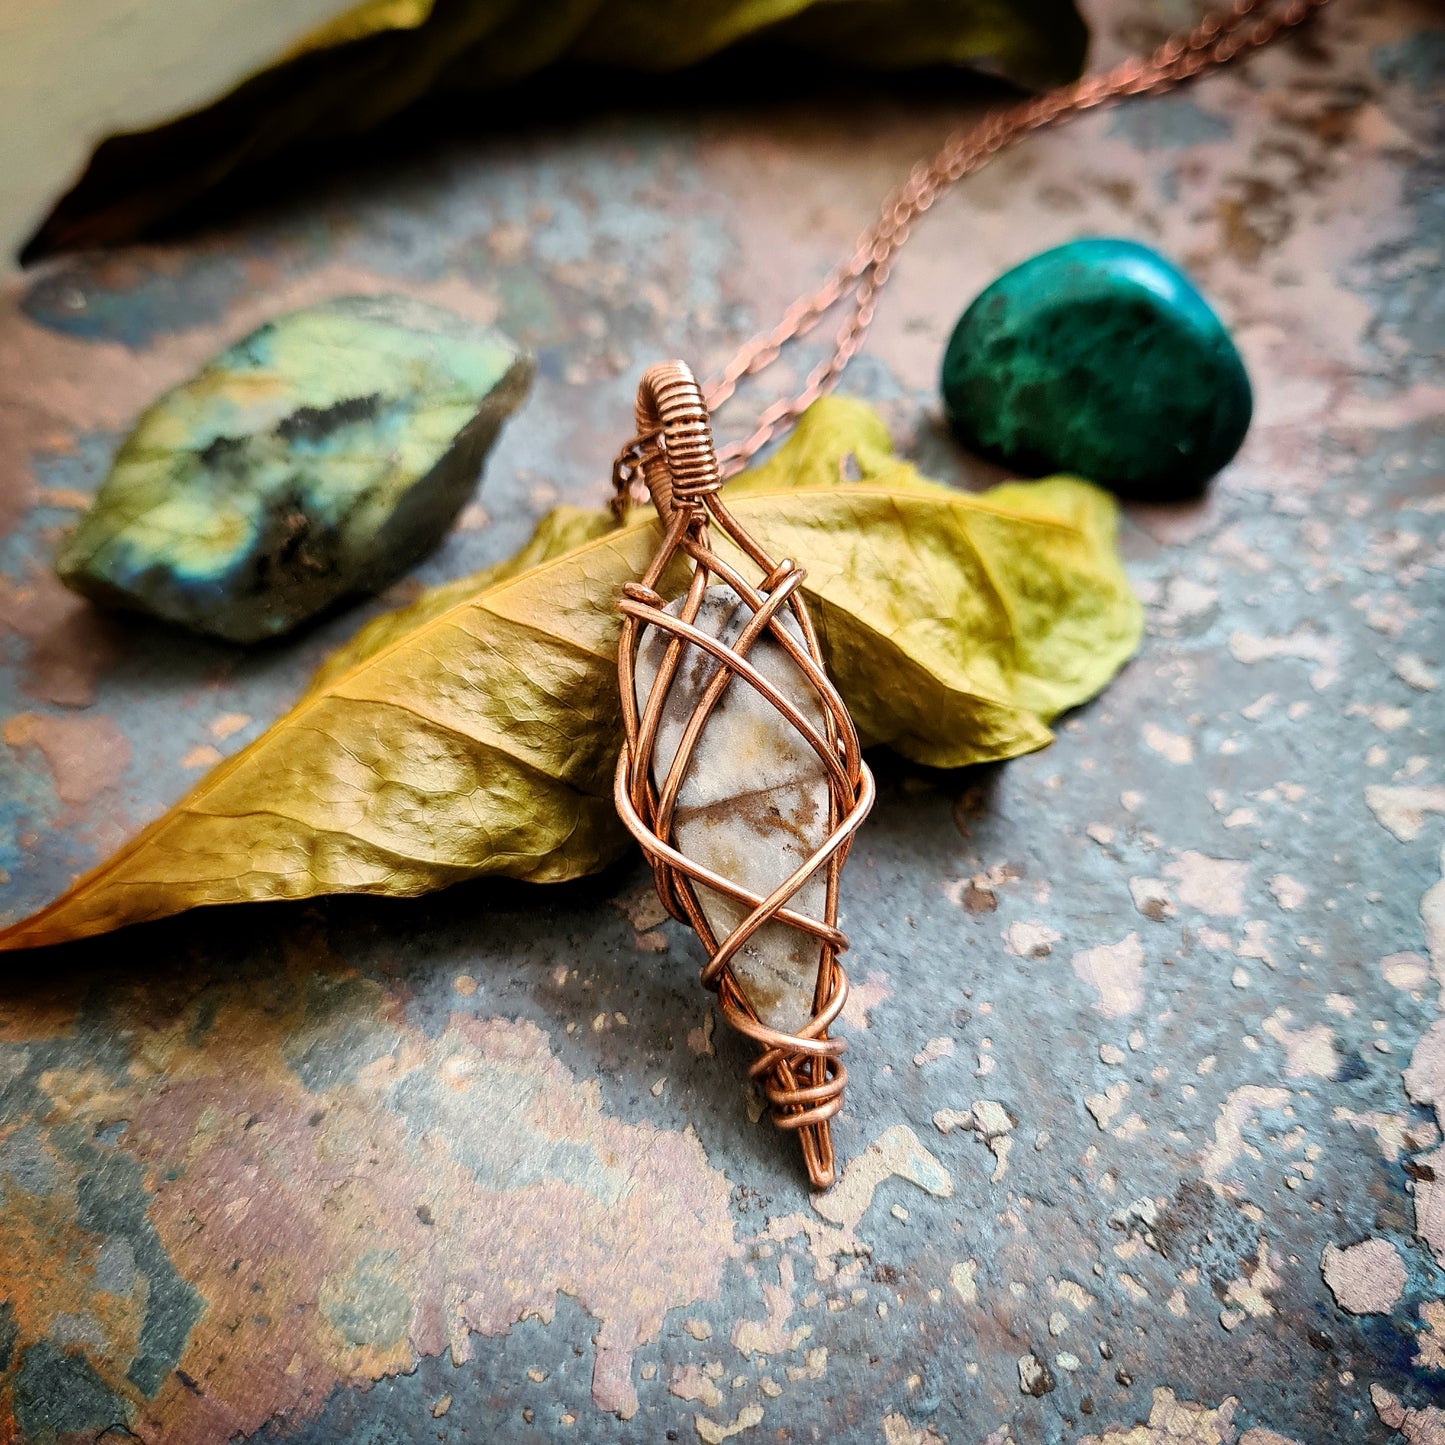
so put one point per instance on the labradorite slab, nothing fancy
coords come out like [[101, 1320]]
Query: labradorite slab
[[316, 459], [1102, 359]]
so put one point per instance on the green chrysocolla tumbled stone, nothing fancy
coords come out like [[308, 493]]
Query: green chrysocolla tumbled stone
[[1099, 358], [317, 458]]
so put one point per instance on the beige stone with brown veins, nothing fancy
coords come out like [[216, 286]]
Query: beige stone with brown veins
[[754, 802]]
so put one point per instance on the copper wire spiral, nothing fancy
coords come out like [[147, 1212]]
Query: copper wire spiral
[[801, 1073]]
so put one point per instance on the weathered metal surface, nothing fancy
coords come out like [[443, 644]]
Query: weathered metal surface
[[477, 1167]]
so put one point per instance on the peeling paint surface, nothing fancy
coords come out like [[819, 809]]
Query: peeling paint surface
[[1147, 1051], [1365, 1278]]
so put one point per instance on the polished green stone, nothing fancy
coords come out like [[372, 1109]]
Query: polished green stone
[[316, 459], [1098, 358]]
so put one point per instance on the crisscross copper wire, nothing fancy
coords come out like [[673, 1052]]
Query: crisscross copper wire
[[801, 1073]]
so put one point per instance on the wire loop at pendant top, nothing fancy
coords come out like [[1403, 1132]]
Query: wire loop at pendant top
[[679, 461], [673, 456]]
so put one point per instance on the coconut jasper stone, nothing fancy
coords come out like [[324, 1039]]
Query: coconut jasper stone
[[753, 805], [1099, 358]]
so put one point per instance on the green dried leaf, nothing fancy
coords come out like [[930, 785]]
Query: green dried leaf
[[476, 731], [381, 56], [1035, 43]]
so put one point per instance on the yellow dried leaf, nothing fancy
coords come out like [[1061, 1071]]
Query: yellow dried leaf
[[476, 731]]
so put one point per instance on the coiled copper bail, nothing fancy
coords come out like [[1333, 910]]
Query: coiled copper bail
[[679, 462]]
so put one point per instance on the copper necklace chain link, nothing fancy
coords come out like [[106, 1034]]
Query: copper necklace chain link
[[672, 459], [1216, 40]]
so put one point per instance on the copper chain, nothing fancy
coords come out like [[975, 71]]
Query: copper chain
[[1216, 40]]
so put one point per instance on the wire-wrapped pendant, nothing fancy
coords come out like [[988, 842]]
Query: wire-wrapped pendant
[[740, 773]]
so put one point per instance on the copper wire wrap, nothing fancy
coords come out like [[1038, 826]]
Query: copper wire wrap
[[801, 1074], [672, 460]]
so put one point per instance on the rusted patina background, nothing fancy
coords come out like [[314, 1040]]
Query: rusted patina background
[[1130, 1015]]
